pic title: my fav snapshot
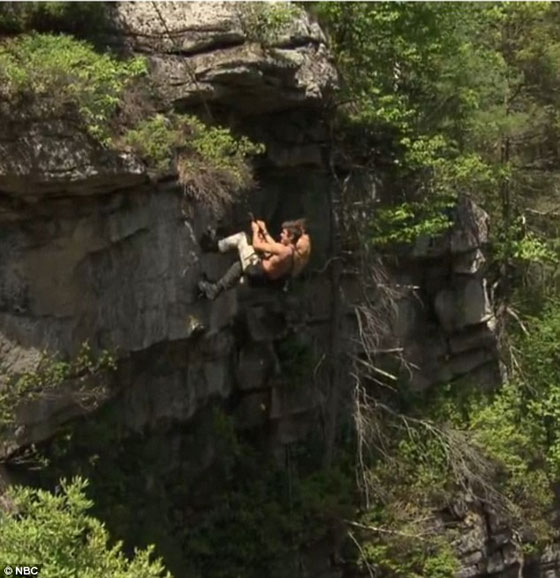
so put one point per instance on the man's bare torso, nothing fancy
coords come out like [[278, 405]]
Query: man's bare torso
[[277, 266]]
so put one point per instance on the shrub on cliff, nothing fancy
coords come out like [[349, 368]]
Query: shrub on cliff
[[80, 18], [502, 448], [211, 162], [88, 372], [51, 76], [266, 22], [56, 532]]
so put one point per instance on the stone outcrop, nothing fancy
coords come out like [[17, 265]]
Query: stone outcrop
[[487, 547], [52, 157], [93, 249], [211, 55], [37, 418], [445, 319]]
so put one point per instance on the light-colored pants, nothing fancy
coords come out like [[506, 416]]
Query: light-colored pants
[[247, 255]]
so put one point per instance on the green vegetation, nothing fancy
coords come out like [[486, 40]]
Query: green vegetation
[[156, 139], [56, 532], [245, 514], [420, 455], [78, 18], [266, 22], [410, 220], [53, 75], [437, 101], [262, 515], [212, 164], [58, 75], [50, 374], [461, 98]]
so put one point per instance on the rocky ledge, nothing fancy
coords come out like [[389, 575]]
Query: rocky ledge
[[215, 55]]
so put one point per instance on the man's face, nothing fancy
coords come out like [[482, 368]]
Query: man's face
[[285, 237]]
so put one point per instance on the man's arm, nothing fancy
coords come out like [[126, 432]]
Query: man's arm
[[264, 232], [264, 246]]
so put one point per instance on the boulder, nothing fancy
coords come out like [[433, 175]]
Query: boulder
[[55, 157], [468, 263], [465, 363], [471, 228], [472, 337], [463, 305], [211, 55], [469, 232]]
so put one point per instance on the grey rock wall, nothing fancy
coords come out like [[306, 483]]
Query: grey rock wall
[[208, 54], [93, 249], [488, 548]]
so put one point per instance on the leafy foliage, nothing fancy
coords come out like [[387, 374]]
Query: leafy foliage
[[155, 139], [446, 99], [408, 221], [409, 558], [502, 447], [401, 96], [53, 75], [515, 442], [540, 350], [56, 532], [82, 19], [267, 22], [440, 101], [212, 164], [246, 514], [461, 98], [49, 375], [264, 515]]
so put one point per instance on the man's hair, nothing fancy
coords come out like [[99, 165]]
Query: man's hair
[[298, 225], [295, 229]]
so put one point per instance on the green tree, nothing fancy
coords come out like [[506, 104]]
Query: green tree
[[83, 19], [459, 98], [55, 76], [55, 531], [441, 100]]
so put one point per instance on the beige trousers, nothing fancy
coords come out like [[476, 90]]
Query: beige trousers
[[247, 255]]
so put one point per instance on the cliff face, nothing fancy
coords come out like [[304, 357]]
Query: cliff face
[[95, 250], [214, 55]]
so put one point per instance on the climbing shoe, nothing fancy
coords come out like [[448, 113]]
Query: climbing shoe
[[209, 290]]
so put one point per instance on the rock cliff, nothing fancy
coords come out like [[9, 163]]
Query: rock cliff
[[95, 250]]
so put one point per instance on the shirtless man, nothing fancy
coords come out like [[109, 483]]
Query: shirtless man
[[263, 260], [303, 244]]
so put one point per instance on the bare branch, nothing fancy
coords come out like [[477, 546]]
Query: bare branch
[[380, 530]]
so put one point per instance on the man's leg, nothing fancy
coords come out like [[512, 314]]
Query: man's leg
[[247, 254], [231, 277]]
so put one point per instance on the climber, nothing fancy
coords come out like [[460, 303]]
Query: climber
[[264, 260], [303, 246]]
